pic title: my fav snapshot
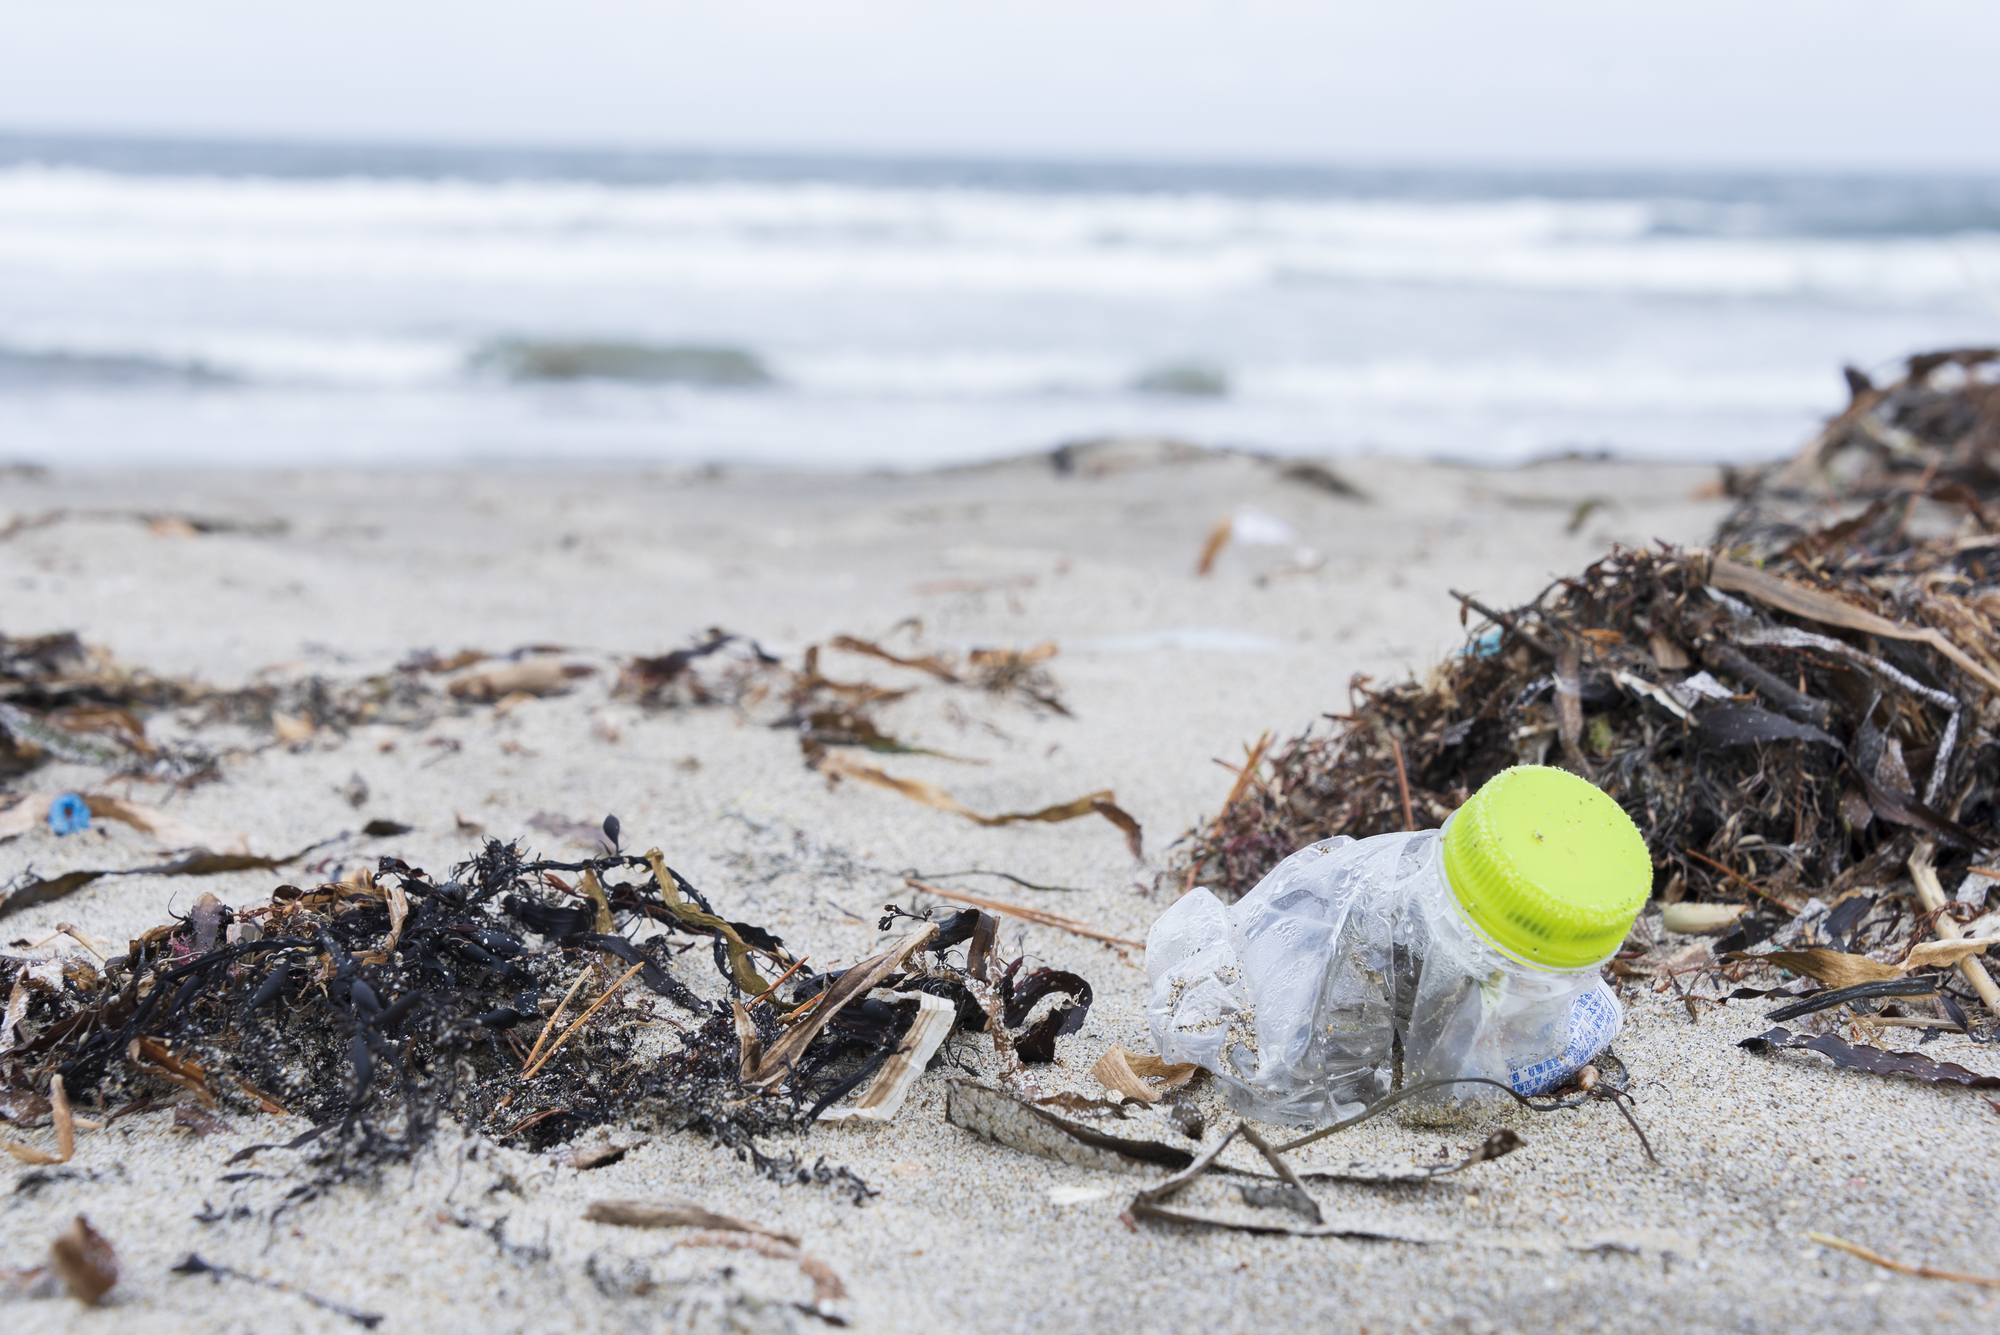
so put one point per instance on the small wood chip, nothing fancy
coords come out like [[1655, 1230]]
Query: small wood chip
[[189, 1117], [585, 1157], [1124, 1073], [86, 1261]]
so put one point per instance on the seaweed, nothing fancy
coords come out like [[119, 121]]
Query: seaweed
[[1793, 717], [499, 996], [1865, 1057]]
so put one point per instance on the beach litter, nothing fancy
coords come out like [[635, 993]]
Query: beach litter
[[1808, 822], [1354, 966]]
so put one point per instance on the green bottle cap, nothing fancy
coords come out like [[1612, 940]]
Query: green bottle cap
[[1547, 867]]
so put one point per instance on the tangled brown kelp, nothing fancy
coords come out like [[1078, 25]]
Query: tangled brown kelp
[[1804, 730], [496, 996]]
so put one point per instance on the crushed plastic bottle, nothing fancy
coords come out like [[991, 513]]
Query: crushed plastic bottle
[[1356, 967]]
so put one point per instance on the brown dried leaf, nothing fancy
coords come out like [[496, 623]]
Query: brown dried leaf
[[167, 829], [86, 1261], [1124, 1072], [153, 1057], [676, 1214], [826, 1284], [399, 909], [188, 1117], [1832, 967], [1936, 954], [28, 1154], [530, 676], [65, 1123], [1212, 545], [930, 663], [23, 1107], [1023, 912]]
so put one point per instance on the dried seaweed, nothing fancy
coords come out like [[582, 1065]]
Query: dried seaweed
[[837, 767], [1863, 1057], [375, 1006], [1291, 1194], [28, 890], [1932, 435], [1004, 1117], [884, 1097], [1023, 912], [1786, 721], [193, 1264], [1894, 986], [61, 699]]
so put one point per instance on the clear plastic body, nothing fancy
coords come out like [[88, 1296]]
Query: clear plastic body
[[1349, 966]]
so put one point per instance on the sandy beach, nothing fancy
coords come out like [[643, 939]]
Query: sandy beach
[[234, 577]]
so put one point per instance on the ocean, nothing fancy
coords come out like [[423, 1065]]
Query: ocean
[[299, 305]]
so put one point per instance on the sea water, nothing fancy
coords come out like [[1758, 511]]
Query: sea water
[[305, 305]]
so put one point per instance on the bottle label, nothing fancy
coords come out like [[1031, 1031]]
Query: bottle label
[[1593, 1023]]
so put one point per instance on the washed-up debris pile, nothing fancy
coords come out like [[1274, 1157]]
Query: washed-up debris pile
[[834, 716], [1926, 447], [498, 996], [1801, 721], [61, 700]]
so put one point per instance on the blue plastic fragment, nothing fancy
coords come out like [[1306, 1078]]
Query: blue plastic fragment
[[1485, 646], [69, 814]]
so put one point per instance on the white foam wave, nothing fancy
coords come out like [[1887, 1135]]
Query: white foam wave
[[799, 236]]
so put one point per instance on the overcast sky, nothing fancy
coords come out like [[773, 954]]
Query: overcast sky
[[1674, 82]]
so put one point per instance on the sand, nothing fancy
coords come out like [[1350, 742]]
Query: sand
[[1164, 674]]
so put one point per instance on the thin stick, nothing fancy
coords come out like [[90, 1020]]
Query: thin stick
[[1253, 757], [1402, 783], [578, 1022], [772, 990], [529, 1121], [1383, 1105], [554, 1015], [65, 1122], [1920, 1271], [1041, 916], [1924, 876], [811, 1002], [1743, 881]]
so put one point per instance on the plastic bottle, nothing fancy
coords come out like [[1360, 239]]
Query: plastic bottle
[[1356, 967]]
